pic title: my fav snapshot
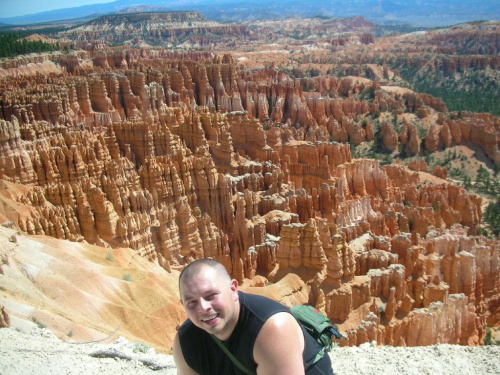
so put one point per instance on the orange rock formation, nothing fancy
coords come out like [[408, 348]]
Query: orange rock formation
[[187, 156]]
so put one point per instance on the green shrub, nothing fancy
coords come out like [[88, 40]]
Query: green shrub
[[487, 338], [492, 217], [37, 322], [127, 277]]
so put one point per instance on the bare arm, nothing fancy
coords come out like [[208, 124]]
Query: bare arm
[[279, 346], [182, 367]]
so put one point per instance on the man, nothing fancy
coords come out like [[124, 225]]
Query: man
[[261, 333]]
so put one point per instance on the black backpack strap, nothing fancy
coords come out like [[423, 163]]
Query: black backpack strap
[[232, 357]]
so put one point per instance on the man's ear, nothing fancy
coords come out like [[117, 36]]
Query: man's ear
[[234, 287]]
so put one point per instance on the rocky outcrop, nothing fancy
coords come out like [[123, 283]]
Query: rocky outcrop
[[432, 139], [450, 63], [389, 136], [480, 129], [418, 166], [440, 172], [427, 288], [4, 318], [44, 68]]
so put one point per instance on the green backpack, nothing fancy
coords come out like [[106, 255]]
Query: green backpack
[[317, 325]]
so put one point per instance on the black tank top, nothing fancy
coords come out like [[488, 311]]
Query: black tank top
[[203, 355]]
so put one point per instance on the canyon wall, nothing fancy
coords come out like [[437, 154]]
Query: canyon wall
[[185, 156]]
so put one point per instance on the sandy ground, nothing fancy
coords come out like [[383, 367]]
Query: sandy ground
[[40, 352]]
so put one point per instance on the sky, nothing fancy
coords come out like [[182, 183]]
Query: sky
[[13, 8]]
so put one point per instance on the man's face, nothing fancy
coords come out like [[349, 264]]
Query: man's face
[[211, 302]]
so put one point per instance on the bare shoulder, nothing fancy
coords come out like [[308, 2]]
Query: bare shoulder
[[279, 346], [281, 323], [182, 367]]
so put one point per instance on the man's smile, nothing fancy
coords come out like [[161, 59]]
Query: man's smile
[[210, 318]]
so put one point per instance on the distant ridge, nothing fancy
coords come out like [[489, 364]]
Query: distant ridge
[[153, 28], [138, 17], [423, 13], [144, 22]]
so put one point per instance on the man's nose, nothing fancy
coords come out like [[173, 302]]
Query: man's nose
[[205, 305]]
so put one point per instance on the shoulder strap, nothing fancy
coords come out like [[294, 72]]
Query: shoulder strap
[[232, 357]]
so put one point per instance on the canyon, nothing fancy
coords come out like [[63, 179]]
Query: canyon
[[137, 161]]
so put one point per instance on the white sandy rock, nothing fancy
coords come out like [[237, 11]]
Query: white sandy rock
[[40, 352]]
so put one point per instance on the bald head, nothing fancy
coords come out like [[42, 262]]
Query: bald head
[[209, 297], [198, 266]]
